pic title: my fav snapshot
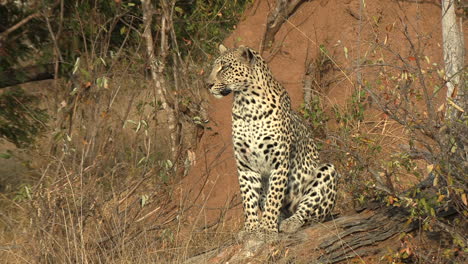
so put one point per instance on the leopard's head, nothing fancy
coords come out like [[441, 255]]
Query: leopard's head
[[232, 71]]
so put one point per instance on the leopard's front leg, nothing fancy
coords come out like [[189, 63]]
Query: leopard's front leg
[[274, 201], [250, 185]]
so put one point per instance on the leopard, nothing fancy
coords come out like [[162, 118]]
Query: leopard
[[282, 183]]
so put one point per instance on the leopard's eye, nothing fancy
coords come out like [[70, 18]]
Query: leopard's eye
[[224, 67]]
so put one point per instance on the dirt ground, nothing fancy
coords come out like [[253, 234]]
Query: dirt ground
[[350, 32]]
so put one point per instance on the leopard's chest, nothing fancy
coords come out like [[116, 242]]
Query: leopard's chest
[[256, 143], [259, 128]]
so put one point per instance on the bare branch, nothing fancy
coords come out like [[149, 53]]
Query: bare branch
[[283, 10], [21, 23]]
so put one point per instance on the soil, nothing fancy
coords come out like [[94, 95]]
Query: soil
[[350, 32]]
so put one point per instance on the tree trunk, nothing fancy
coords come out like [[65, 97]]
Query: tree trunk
[[453, 48], [157, 67], [455, 138]]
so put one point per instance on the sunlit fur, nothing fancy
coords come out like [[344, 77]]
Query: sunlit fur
[[277, 160]]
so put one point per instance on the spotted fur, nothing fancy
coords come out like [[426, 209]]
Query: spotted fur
[[277, 160]]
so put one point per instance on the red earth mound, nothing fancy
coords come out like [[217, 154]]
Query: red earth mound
[[350, 31]]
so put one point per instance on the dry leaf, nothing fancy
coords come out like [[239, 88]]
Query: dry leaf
[[455, 105], [441, 108], [436, 181], [463, 197], [429, 168], [191, 157]]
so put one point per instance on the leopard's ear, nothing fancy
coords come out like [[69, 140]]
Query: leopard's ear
[[222, 48], [247, 55]]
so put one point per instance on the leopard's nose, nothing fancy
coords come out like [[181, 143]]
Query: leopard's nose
[[226, 91]]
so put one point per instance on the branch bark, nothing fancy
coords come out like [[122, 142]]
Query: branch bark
[[283, 10], [22, 22], [341, 239], [308, 81], [453, 48]]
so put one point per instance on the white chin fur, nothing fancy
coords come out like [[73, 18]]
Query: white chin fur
[[218, 96]]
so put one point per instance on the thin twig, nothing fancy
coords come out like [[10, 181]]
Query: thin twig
[[25, 20]]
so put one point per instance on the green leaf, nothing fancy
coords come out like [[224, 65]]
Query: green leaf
[[437, 89], [103, 61], [123, 30], [168, 164], [74, 91], [86, 74], [179, 10], [141, 160], [102, 82], [5, 155]]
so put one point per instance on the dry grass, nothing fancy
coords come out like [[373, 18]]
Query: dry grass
[[101, 186]]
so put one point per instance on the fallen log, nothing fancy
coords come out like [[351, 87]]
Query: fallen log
[[32, 73], [342, 238]]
